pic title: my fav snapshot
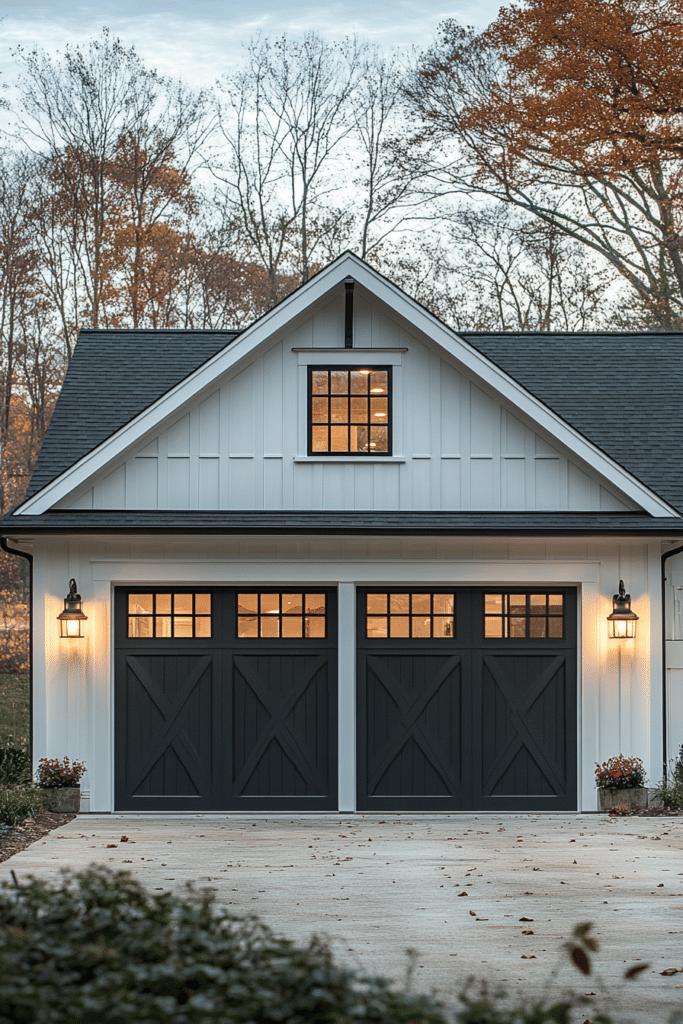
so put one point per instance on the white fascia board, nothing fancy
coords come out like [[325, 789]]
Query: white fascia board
[[280, 317]]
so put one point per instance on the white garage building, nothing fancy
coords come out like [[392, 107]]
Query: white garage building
[[349, 559]]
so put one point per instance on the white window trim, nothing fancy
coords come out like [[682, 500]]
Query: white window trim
[[351, 357]]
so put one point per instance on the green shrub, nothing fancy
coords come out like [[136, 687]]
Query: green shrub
[[15, 766], [18, 803], [100, 948]]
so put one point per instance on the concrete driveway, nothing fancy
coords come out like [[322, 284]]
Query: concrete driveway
[[376, 886]]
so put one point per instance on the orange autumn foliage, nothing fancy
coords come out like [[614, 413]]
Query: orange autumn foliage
[[595, 83]]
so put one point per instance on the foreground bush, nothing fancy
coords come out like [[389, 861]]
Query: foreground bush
[[670, 790], [101, 948]]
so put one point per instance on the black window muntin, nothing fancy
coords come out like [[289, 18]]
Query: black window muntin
[[362, 453], [541, 606]]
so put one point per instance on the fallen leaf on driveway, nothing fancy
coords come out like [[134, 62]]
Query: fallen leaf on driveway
[[661, 885], [112, 846], [473, 913], [463, 893], [526, 918], [527, 956], [671, 970], [527, 931], [482, 919], [124, 839], [634, 971]]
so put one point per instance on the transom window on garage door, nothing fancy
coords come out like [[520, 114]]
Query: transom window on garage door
[[283, 614], [523, 616], [169, 615], [409, 615]]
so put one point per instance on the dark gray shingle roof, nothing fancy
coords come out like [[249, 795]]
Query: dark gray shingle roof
[[384, 523], [114, 375], [622, 391]]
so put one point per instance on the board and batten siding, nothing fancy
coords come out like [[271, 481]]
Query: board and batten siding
[[243, 443], [618, 681]]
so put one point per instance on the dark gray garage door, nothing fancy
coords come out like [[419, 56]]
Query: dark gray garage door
[[467, 699], [225, 699]]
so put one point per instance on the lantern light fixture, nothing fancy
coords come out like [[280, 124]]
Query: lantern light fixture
[[622, 621], [72, 618]]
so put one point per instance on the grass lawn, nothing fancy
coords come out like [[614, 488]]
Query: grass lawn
[[13, 708]]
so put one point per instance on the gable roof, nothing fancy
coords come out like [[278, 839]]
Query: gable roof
[[622, 390], [119, 383], [113, 375]]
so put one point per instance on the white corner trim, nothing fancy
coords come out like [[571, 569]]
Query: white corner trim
[[295, 305]]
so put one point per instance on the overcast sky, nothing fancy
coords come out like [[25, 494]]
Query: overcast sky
[[198, 39]]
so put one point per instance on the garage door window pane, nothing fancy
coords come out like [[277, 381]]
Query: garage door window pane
[[169, 614], [524, 616], [411, 616], [287, 615]]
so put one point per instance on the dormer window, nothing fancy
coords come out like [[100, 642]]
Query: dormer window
[[349, 410]]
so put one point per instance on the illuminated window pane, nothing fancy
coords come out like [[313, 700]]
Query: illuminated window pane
[[537, 604], [377, 604], [442, 626], [359, 410], [399, 604], [339, 410], [319, 439], [555, 604], [339, 439], [320, 382], [493, 628], [140, 627], [359, 383], [320, 410], [270, 626], [270, 603], [182, 625], [555, 627], [379, 439], [421, 626], [399, 626], [379, 382], [247, 626], [247, 603], [339, 381], [517, 604], [162, 626], [537, 628], [421, 604], [140, 604], [443, 604], [493, 604], [202, 626], [517, 627], [202, 604], [292, 625], [315, 604], [292, 604], [315, 626], [376, 626], [182, 604], [164, 604]]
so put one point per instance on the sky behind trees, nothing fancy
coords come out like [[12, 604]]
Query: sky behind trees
[[198, 39]]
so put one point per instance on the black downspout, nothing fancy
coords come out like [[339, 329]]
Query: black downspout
[[665, 556], [29, 559], [348, 317]]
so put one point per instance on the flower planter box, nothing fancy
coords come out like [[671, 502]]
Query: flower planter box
[[61, 799], [634, 797]]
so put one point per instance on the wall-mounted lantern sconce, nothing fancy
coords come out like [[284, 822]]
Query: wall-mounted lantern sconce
[[72, 618], [622, 621]]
